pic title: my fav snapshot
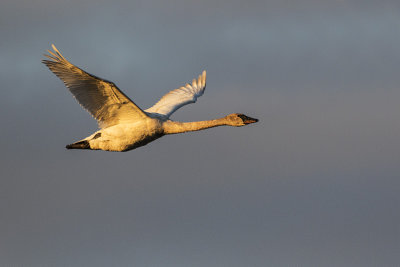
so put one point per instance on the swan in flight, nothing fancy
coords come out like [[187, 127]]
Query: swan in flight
[[123, 125]]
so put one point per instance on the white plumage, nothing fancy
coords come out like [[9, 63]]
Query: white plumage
[[177, 98], [124, 126]]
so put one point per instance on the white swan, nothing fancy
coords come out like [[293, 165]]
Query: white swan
[[123, 125]]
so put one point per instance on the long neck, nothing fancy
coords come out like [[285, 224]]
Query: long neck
[[173, 127]]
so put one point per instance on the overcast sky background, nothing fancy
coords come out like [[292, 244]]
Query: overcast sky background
[[314, 183]]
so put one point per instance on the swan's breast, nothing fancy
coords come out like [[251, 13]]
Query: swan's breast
[[127, 136]]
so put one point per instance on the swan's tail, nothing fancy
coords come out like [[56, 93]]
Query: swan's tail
[[79, 145]]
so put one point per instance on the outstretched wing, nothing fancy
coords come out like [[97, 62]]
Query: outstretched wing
[[177, 98], [101, 98]]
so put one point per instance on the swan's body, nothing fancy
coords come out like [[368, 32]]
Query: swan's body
[[123, 125]]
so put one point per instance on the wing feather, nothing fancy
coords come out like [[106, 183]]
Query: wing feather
[[177, 98], [101, 98]]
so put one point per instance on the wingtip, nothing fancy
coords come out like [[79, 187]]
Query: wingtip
[[56, 51], [203, 77]]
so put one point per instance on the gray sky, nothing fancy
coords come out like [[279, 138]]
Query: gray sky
[[314, 183]]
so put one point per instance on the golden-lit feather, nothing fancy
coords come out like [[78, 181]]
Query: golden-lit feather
[[101, 98]]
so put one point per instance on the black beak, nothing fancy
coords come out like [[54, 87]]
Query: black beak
[[247, 120]]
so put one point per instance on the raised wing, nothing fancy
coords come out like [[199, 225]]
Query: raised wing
[[101, 98], [177, 98]]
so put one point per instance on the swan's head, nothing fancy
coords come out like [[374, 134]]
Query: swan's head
[[239, 119]]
